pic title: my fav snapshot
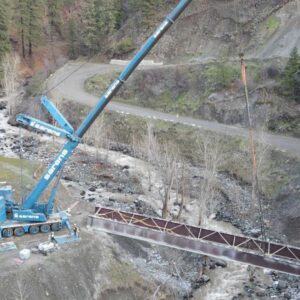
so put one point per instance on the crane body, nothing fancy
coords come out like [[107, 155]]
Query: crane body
[[32, 216]]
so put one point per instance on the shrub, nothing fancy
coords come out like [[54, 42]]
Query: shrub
[[272, 23], [221, 75], [124, 46], [36, 84]]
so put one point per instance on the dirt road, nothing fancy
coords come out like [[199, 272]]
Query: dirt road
[[73, 89]]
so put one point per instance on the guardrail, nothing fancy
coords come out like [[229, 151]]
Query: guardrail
[[145, 62]]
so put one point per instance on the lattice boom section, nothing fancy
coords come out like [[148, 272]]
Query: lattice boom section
[[198, 233]]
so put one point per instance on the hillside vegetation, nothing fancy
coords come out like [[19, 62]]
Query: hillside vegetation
[[26, 25], [45, 33], [114, 28], [176, 170], [214, 92]]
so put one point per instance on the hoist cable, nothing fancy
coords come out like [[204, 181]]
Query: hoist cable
[[68, 76], [21, 164], [255, 187]]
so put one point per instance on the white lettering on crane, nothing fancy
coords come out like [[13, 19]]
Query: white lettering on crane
[[18, 216], [161, 28], [111, 89], [56, 164], [44, 128]]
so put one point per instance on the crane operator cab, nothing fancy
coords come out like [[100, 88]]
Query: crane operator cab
[[5, 202]]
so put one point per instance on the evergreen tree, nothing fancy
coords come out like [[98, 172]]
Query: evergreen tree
[[148, 8], [108, 16], [297, 85], [4, 41], [100, 20], [72, 36], [34, 15], [29, 14], [290, 81], [20, 11], [54, 15], [90, 36]]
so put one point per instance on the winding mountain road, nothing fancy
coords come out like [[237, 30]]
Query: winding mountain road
[[73, 89]]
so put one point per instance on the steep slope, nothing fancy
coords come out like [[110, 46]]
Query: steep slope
[[285, 34], [221, 27], [261, 29]]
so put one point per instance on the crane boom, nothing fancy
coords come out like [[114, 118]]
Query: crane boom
[[70, 145]]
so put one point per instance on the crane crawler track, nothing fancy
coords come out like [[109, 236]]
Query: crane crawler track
[[248, 250]]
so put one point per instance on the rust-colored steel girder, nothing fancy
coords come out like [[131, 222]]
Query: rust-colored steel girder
[[247, 250]]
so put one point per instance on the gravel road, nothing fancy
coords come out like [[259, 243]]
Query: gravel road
[[73, 89]]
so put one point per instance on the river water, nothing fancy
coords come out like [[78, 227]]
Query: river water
[[225, 283]]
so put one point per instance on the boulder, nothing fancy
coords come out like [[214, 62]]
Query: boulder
[[25, 254], [221, 263], [260, 292], [281, 285], [3, 104], [201, 281], [92, 189]]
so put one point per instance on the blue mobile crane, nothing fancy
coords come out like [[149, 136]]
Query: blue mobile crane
[[32, 216]]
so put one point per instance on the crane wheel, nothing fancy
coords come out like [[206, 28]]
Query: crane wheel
[[56, 227], [19, 231], [34, 229], [7, 232], [45, 228]]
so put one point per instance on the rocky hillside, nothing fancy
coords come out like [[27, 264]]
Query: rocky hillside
[[258, 28], [203, 79], [74, 28]]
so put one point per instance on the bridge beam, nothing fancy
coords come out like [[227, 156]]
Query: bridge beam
[[127, 225]]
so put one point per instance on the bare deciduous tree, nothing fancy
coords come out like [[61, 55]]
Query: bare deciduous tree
[[242, 160], [166, 160], [97, 135], [168, 169], [263, 154], [151, 151], [263, 175], [22, 290], [181, 187], [209, 148], [9, 68]]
